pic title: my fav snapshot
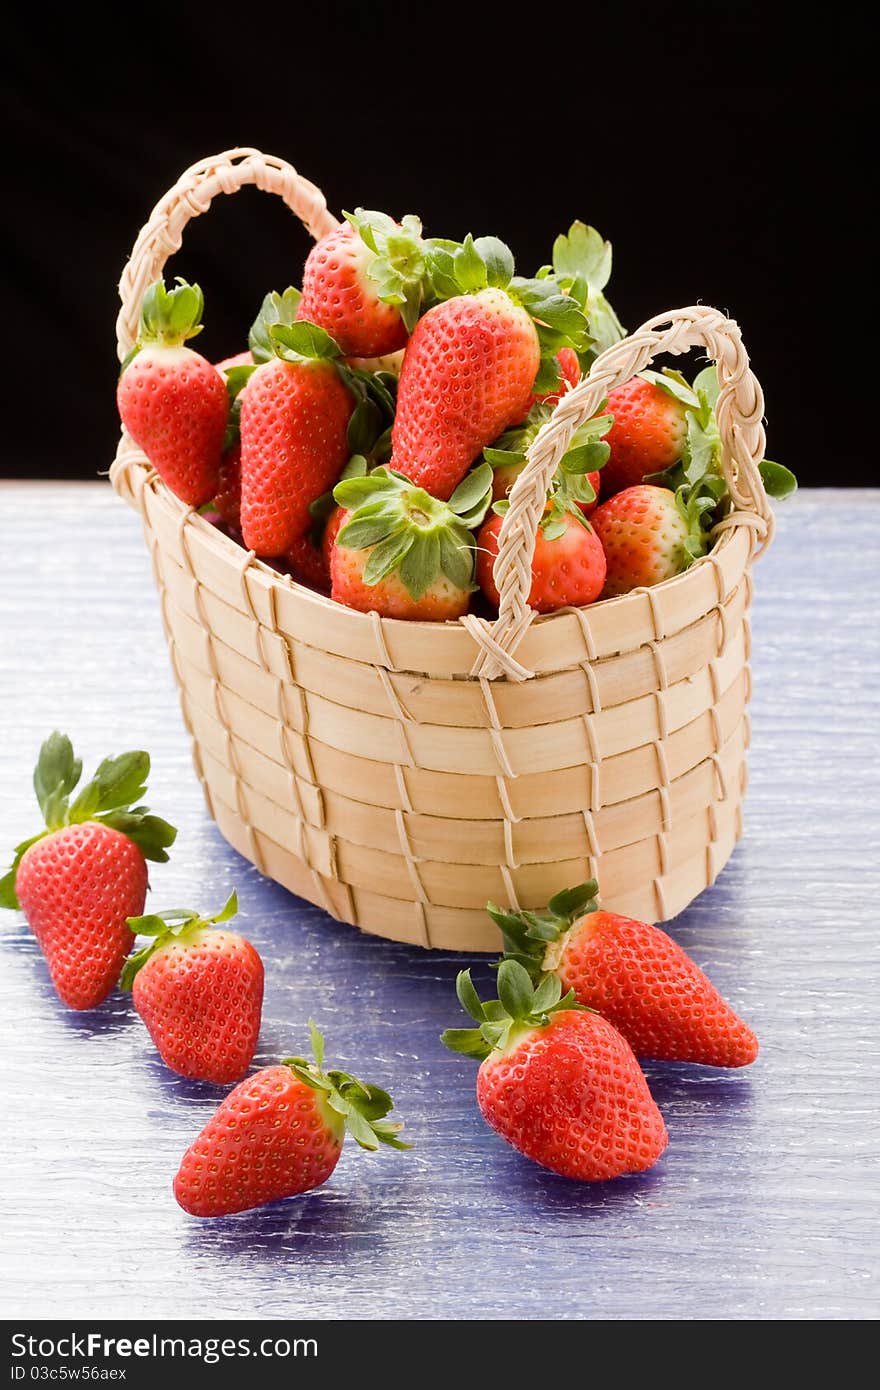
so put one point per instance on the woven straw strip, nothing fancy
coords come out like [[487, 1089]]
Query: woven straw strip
[[439, 840]]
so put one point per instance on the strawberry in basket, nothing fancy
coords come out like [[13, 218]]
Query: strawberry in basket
[[364, 283], [80, 879], [400, 552], [475, 360], [579, 467], [633, 974], [295, 412], [304, 414], [568, 566], [172, 400], [557, 1081], [651, 533]]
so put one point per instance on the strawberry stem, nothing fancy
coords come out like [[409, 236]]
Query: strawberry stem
[[361, 1108], [173, 924]]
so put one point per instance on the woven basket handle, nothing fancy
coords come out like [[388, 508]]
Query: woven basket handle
[[192, 195], [740, 410]]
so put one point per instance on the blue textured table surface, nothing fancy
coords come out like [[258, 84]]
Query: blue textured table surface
[[765, 1204]]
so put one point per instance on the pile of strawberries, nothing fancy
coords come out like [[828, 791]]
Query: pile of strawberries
[[582, 993], [367, 441]]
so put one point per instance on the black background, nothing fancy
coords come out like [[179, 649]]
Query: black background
[[724, 163]]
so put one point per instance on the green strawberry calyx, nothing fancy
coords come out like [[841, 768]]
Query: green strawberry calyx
[[581, 269], [527, 935], [110, 798], [411, 532], [521, 1007], [173, 924], [361, 1109], [399, 268], [588, 451], [168, 317], [481, 263], [701, 456], [276, 308]]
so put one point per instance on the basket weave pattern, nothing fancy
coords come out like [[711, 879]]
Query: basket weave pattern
[[399, 774]]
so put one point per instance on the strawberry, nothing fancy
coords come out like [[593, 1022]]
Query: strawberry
[[633, 974], [199, 991], [568, 567], [475, 360], [363, 283], [171, 400], [400, 552], [228, 499], [558, 1082], [328, 540], [80, 879], [295, 413], [649, 433], [649, 534], [308, 563], [578, 474], [569, 376], [279, 1133]]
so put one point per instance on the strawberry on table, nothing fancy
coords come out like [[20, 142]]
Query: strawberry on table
[[199, 991], [364, 282], [80, 879], [400, 552], [633, 974], [171, 400], [279, 1133], [475, 360], [558, 1082], [651, 533]]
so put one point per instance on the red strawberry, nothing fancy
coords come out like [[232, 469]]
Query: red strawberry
[[577, 477], [199, 991], [363, 282], [228, 499], [649, 433], [633, 974], [171, 400], [475, 360], [506, 475], [568, 568], [569, 376], [649, 534], [308, 564], [400, 552], [295, 412], [557, 1082], [79, 880], [331, 531], [467, 376], [279, 1133]]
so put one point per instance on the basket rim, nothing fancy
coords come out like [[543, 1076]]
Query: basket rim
[[231, 550]]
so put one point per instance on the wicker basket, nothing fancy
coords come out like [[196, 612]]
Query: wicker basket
[[399, 774]]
